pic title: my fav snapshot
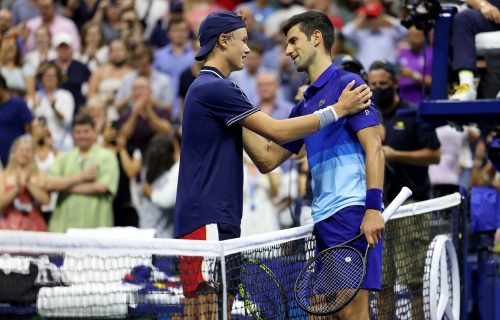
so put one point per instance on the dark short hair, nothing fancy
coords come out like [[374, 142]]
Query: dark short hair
[[256, 47], [141, 52], [83, 119], [387, 66], [175, 20], [311, 21]]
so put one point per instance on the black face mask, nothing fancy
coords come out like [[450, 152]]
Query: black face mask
[[383, 97]]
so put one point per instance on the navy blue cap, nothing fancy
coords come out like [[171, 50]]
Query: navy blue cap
[[213, 26], [386, 65], [343, 60], [351, 64]]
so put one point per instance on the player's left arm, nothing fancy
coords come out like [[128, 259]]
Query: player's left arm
[[373, 223]]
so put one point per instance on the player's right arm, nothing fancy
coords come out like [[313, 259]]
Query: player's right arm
[[265, 154], [283, 131], [268, 156]]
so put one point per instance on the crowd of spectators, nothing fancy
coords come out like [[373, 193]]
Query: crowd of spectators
[[92, 94]]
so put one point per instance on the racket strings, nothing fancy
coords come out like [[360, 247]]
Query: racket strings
[[331, 281], [262, 295]]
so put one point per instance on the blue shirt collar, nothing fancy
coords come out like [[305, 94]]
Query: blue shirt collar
[[212, 70], [187, 48], [321, 81]]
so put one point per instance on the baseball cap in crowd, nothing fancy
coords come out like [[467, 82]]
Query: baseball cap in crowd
[[63, 38], [351, 64], [372, 9], [390, 67], [213, 26]]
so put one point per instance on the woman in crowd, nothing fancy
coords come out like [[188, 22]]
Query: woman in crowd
[[129, 161], [94, 51], [106, 80], [22, 190], [159, 189], [43, 49], [45, 155], [54, 104], [12, 67]]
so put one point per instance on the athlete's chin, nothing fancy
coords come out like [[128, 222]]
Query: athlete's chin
[[237, 67], [301, 68]]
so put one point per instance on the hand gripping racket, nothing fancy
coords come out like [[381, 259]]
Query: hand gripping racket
[[332, 278]]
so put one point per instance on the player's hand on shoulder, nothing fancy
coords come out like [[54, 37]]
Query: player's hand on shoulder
[[372, 226], [352, 101]]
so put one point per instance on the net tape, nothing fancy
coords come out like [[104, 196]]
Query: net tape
[[53, 242]]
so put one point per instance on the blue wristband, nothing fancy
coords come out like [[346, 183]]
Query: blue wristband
[[373, 199]]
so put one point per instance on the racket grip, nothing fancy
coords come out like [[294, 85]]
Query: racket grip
[[403, 195]]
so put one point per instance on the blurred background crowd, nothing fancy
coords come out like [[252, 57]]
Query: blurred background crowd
[[92, 92]]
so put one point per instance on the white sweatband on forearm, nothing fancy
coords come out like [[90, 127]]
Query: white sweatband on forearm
[[326, 116]]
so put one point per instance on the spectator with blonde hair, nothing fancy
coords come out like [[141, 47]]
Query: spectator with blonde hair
[[22, 190]]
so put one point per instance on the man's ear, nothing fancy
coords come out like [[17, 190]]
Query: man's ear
[[316, 38], [222, 41]]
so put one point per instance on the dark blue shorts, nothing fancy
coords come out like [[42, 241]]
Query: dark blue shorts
[[343, 226]]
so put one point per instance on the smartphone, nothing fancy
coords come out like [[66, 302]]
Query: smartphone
[[115, 124], [43, 121]]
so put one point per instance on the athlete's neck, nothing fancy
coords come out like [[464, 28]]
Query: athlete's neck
[[321, 63], [220, 64]]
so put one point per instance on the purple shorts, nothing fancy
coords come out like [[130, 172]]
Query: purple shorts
[[343, 226]]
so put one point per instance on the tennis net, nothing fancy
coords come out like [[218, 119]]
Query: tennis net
[[76, 276]]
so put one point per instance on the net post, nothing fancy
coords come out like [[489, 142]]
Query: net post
[[224, 280], [463, 229]]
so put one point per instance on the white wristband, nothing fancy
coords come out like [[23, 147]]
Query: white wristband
[[326, 116]]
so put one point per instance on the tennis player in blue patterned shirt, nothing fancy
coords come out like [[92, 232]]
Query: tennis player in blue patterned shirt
[[345, 158]]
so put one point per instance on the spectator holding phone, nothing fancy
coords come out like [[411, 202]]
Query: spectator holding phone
[[129, 162], [54, 104]]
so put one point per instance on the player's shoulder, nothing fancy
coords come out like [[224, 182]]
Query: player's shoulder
[[346, 77], [208, 87]]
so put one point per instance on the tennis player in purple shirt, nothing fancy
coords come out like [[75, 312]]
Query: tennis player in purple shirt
[[210, 188]]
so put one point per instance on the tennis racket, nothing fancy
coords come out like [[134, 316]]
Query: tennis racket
[[331, 279], [262, 294]]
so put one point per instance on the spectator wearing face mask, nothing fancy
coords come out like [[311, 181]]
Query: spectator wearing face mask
[[410, 146]]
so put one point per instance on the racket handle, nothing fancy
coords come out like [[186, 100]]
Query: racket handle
[[403, 195]]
